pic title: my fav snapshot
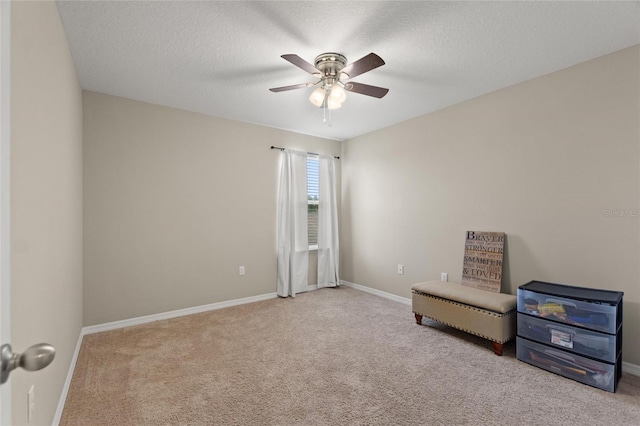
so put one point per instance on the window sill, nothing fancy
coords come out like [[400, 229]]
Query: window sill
[[313, 248]]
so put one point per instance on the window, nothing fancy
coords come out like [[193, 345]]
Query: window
[[313, 195]]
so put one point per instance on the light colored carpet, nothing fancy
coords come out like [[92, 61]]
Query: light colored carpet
[[328, 357]]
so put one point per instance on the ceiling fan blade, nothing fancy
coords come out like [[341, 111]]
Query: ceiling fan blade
[[362, 65], [365, 89], [300, 63], [292, 87]]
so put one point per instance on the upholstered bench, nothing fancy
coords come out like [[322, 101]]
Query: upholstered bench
[[483, 313]]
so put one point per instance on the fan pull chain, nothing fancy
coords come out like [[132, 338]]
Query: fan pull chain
[[326, 119], [324, 111]]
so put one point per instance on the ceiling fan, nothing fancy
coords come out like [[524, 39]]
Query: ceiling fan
[[334, 78]]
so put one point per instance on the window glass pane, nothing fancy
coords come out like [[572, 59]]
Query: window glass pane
[[313, 224], [313, 182], [313, 195]]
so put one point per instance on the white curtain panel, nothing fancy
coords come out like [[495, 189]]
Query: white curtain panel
[[328, 244], [293, 240]]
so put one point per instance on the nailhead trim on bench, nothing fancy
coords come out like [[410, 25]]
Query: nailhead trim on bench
[[465, 306]]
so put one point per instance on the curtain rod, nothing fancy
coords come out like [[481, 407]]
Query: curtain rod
[[312, 153]]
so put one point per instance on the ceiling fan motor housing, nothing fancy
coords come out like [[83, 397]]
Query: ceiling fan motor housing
[[330, 64]]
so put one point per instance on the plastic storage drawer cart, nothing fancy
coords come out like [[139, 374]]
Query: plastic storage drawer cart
[[572, 331]]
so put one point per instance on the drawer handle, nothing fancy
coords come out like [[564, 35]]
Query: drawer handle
[[561, 302], [562, 329]]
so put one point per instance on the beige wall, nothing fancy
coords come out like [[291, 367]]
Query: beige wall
[[46, 202], [174, 203], [543, 161]]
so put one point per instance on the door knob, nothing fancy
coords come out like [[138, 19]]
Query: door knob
[[34, 358]]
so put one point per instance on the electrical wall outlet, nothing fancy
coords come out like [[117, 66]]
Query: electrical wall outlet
[[444, 277], [31, 403], [241, 270], [400, 269]]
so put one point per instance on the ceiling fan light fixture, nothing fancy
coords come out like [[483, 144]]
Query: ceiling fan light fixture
[[332, 103], [317, 97], [337, 93]]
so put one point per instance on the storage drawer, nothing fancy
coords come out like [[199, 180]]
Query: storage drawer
[[591, 315], [584, 370], [584, 342]]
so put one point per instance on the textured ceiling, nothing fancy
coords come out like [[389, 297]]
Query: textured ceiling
[[220, 58]]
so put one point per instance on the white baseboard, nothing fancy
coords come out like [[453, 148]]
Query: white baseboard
[[627, 367], [174, 314], [376, 292], [67, 382], [312, 287]]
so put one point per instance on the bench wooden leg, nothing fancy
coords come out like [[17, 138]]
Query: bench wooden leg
[[418, 318], [497, 348]]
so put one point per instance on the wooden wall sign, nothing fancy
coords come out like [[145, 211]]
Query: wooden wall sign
[[482, 266]]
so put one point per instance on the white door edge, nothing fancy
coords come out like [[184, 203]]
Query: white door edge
[[5, 133]]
